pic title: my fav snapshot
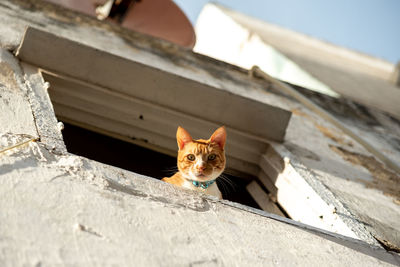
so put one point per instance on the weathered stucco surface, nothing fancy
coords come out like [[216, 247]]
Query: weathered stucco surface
[[67, 210], [61, 209], [14, 102], [58, 208]]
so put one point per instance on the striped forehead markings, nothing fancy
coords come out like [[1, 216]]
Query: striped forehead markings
[[200, 142]]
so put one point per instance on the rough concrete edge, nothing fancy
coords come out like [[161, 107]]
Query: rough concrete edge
[[327, 196], [13, 62], [109, 178], [33, 89], [7, 56], [355, 244], [352, 243], [32, 84], [48, 129], [42, 109], [91, 163]]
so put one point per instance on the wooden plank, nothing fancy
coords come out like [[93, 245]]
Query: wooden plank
[[262, 198], [221, 106]]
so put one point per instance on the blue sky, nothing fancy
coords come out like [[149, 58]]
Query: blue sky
[[368, 26]]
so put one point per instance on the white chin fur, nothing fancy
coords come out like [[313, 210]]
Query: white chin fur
[[193, 177]]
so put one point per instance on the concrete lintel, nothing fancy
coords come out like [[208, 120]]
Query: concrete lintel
[[146, 82]]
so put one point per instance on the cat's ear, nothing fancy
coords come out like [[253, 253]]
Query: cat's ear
[[219, 137], [182, 137]]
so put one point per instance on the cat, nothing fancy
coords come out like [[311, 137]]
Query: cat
[[200, 162]]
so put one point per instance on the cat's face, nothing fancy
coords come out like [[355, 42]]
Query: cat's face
[[201, 160]]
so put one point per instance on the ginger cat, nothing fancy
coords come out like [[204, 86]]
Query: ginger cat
[[200, 162]]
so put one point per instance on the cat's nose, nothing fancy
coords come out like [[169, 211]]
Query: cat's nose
[[200, 167]]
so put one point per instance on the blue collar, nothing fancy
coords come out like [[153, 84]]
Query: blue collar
[[203, 185]]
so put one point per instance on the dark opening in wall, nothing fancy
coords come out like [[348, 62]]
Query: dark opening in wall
[[137, 159]]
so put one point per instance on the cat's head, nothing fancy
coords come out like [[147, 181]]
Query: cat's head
[[201, 160]]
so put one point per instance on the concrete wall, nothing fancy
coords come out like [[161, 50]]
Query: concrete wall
[[59, 208]]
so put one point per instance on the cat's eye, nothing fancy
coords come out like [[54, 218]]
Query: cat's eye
[[191, 157], [211, 157]]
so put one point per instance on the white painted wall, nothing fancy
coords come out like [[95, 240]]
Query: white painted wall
[[221, 37]]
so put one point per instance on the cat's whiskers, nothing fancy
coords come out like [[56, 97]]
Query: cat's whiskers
[[170, 170], [223, 186], [226, 181]]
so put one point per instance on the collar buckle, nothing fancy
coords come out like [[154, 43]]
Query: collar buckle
[[203, 185]]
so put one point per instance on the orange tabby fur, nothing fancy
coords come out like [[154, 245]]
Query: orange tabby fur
[[199, 160]]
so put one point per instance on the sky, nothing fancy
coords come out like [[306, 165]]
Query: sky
[[368, 26]]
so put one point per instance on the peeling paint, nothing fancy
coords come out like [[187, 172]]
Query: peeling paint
[[388, 245], [304, 152], [331, 133], [334, 136], [384, 179]]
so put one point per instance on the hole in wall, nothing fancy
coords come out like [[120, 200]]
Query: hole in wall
[[91, 106], [141, 160]]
